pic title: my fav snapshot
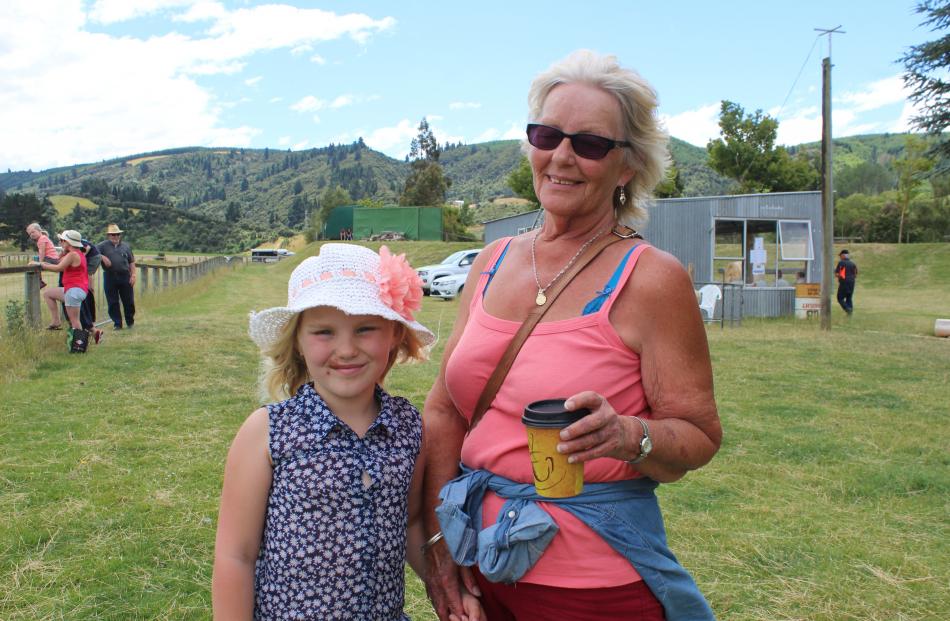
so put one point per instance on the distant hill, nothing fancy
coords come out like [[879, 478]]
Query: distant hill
[[265, 192]]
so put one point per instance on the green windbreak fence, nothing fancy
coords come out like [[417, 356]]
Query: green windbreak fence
[[340, 218], [418, 223]]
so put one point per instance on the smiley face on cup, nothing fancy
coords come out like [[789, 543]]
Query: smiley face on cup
[[554, 477]]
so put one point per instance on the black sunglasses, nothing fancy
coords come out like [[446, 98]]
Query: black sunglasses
[[588, 146]]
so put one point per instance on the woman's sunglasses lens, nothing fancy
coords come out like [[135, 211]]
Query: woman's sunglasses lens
[[543, 137], [587, 146], [591, 147]]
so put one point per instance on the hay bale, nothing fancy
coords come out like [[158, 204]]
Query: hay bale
[[942, 327]]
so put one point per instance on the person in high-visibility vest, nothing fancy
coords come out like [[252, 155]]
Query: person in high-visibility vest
[[846, 272]]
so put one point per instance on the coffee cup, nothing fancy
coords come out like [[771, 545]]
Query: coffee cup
[[554, 477]]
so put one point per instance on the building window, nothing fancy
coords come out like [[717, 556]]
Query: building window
[[762, 253]]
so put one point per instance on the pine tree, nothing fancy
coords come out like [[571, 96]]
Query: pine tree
[[926, 75]]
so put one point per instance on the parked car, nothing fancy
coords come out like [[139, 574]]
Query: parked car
[[456, 263], [448, 287]]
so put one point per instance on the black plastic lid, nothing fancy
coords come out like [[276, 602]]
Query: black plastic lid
[[550, 413]]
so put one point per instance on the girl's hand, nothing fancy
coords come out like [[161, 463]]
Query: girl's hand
[[472, 607], [602, 433]]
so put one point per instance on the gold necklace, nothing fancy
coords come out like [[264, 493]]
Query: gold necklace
[[541, 299]]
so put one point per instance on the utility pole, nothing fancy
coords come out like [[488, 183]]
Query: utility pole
[[827, 183]]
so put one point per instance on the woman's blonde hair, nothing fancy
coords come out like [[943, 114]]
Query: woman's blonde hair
[[285, 370], [649, 156]]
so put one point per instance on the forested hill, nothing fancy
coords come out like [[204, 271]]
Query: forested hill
[[260, 193]]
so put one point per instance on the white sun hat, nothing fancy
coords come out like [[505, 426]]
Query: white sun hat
[[353, 279], [71, 237]]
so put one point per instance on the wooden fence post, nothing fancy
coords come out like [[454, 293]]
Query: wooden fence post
[[31, 290], [143, 270]]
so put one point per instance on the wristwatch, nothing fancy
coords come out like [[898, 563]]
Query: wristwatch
[[646, 444]]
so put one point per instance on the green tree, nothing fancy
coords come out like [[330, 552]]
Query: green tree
[[911, 169], [746, 152], [453, 229], [298, 187], [426, 184], [19, 210], [233, 212], [371, 202], [926, 75], [331, 198], [863, 178], [671, 186], [521, 181]]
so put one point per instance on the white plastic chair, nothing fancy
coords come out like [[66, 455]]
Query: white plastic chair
[[708, 296]]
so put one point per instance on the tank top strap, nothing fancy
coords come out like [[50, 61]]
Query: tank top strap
[[605, 298], [494, 263]]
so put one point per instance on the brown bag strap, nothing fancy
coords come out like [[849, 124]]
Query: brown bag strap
[[508, 358]]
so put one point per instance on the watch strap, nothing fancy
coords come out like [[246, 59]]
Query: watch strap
[[646, 436]]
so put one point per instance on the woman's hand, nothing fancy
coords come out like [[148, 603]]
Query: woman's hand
[[602, 433]]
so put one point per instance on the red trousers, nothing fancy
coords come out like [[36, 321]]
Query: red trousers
[[535, 602]]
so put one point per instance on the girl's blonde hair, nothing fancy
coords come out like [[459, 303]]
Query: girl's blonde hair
[[285, 370], [649, 156]]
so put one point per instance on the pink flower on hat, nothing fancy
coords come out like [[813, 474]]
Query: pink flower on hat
[[400, 287]]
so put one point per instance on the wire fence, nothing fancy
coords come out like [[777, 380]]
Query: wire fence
[[22, 284]]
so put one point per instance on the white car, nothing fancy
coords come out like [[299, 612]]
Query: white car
[[448, 287], [456, 263]]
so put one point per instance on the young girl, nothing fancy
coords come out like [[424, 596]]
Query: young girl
[[322, 491], [45, 249], [74, 290]]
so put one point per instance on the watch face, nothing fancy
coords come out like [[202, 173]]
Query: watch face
[[646, 445]]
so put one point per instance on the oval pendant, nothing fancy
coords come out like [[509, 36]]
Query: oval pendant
[[541, 299]]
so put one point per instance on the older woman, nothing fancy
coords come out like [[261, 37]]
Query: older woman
[[625, 340]]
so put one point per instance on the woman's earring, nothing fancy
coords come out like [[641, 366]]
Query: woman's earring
[[623, 197]]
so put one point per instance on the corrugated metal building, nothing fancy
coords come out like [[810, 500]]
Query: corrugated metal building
[[764, 242]]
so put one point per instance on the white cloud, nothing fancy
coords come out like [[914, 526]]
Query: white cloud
[[696, 127], [298, 146], [876, 95], [461, 105], [489, 134], [113, 11], [283, 141], [70, 95], [253, 81], [200, 11], [342, 101], [393, 141], [801, 126], [516, 131], [308, 104], [317, 59]]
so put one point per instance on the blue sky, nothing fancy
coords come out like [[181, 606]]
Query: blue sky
[[83, 81]]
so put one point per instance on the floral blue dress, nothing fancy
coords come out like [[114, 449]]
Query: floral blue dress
[[335, 532]]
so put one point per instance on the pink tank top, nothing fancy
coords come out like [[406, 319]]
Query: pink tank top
[[559, 359]]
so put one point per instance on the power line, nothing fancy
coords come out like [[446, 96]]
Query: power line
[[795, 82]]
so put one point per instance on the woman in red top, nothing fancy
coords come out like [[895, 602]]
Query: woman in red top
[[75, 281]]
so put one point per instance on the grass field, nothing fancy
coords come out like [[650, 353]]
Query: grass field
[[64, 203], [828, 500]]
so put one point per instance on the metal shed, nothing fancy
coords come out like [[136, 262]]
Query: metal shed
[[762, 244]]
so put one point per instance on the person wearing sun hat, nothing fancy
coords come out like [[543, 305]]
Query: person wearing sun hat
[[75, 287], [118, 270], [354, 448]]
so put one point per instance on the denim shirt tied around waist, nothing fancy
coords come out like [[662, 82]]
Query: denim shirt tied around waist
[[625, 514]]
